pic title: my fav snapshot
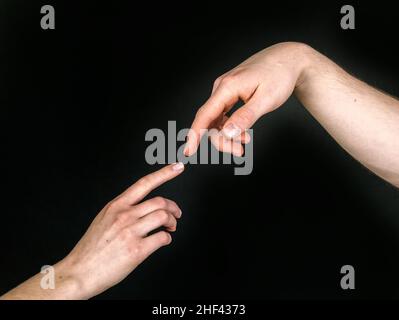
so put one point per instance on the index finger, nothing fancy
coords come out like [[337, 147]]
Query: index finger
[[221, 101], [145, 185]]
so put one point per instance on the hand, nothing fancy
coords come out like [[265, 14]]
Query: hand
[[116, 242], [263, 82], [363, 120]]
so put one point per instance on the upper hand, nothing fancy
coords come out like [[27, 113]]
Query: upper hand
[[263, 82]]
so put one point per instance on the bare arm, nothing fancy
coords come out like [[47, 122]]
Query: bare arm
[[363, 120], [117, 241]]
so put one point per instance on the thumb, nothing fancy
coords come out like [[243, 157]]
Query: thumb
[[242, 119]]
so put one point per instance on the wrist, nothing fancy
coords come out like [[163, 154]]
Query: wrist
[[67, 285], [68, 281], [313, 68], [55, 283], [307, 61]]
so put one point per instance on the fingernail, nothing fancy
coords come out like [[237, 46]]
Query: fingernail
[[178, 166], [185, 151], [231, 131], [180, 213]]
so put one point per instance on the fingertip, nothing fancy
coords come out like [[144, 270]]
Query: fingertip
[[186, 150], [191, 146], [189, 150], [179, 214], [193, 139], [177, 166], [246, 139], [170, 239], [172, 229], [163, 238], [238, 150]]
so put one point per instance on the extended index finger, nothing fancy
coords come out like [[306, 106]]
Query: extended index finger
[[145, 185], [221, 101]]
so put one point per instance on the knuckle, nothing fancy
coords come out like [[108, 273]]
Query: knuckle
[[134, 212], [122, 218], [246, 115], [200, 112], [228, 79], [112, 205], [160, 201], [136, 249], [173, 204], [125, 235], [144, 183], [217, 81], [204, 114], [163, 216]]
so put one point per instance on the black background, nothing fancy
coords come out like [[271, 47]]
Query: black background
[[76, 103]]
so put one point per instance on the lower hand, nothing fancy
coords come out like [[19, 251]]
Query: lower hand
[[116, 242]]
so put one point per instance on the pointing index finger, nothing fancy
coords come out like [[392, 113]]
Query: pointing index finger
[[145, 185], [221, 101]]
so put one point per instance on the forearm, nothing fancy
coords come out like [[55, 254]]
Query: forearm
[[66, 287], [363, 120]]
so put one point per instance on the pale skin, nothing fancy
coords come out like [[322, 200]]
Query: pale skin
[[116, 242], [362, 119]]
